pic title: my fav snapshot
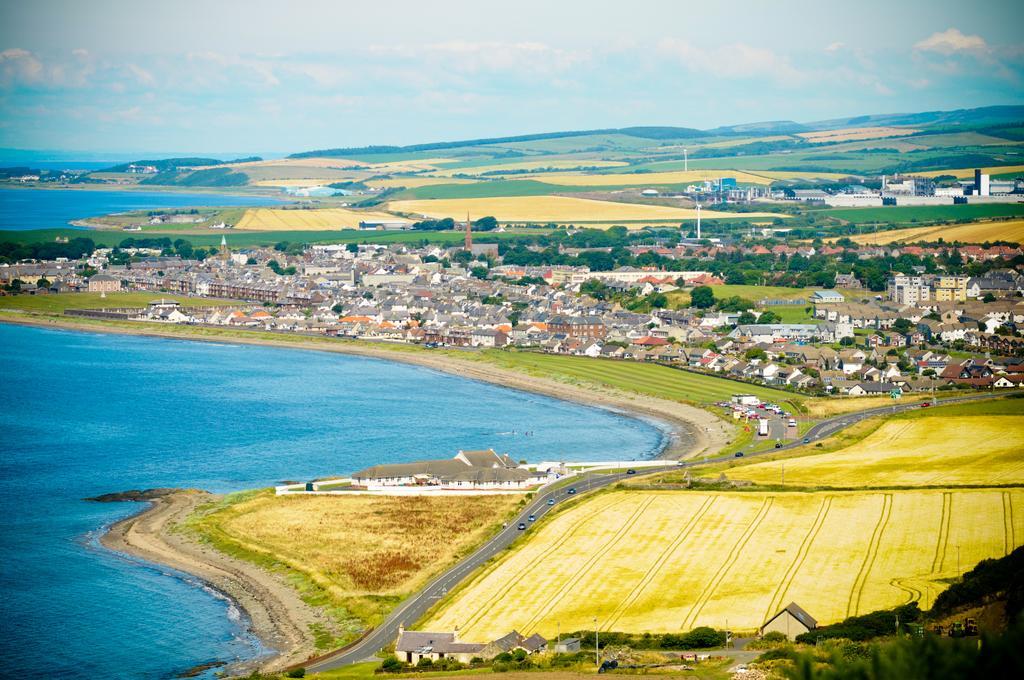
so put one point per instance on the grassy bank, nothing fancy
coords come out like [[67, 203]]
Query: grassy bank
[[356, 557]]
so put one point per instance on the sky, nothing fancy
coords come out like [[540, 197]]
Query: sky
[[222, 77]]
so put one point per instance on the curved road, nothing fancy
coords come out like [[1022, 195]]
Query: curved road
[[416, 605]]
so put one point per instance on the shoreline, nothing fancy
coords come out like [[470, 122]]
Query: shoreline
[[277, 616], [690, 431]]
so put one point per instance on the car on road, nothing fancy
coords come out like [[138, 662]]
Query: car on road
[[532, 518], [807, 440], [778, 445], [925, 404], [522, 526], [739, 454], [551, 501], [630, 471], [571, 491]]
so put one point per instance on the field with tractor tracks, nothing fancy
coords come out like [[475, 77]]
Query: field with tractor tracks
[[668, 561]]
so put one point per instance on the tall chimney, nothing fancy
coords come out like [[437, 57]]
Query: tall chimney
[[469, 234]]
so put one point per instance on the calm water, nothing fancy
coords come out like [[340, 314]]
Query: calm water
[[22, 209], [85, 414]]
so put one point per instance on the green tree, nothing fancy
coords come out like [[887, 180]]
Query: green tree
[[702, 297], [769, 317]]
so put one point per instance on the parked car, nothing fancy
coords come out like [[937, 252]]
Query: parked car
[[522, 526]]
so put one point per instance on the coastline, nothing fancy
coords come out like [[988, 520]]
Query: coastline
[[277, 615], [691, 431]]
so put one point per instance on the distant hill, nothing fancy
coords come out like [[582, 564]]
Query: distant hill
[[987, 116], [967, 118]]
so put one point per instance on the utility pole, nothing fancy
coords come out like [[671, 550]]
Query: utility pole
[[597, 644], [783, 473]]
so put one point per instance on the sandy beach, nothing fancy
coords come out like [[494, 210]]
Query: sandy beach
[[278, 617]]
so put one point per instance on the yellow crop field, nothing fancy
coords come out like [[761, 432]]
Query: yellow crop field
[[325, 219], [358, 549], [532, 165], [558, 209], [974, 232], [642, 178], [966, 173], [920, 452], [854, 134], [668, 561]]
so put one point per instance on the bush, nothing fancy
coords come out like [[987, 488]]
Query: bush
[[297, 673], [703, 637], [774, 636], [425, 662], [392, 665]]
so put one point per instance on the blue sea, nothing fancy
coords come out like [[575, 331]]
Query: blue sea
[[85, 414], [22, 209]]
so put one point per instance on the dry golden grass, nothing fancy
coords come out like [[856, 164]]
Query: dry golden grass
[[967, 173], [920, 452], [643, 561], [854, 134], [324, 219], [824, 407], [558, 209], [975, 232], [364, 551]]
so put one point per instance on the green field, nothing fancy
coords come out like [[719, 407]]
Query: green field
[[56, 304], [649, 379], [926, 213]]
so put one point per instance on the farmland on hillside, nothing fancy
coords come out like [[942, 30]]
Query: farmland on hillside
[[975, 232], [647, 178], [352, 553], [557, 209], [274, 219], [630, 376], [916, 452], [926, 213], [646, 561], [849, 134], [968, 173]]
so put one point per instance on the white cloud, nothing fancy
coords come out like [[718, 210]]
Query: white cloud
[[733, 61], [18, 65], [835, 47], [952, 40], [144, 77], [533, 58]]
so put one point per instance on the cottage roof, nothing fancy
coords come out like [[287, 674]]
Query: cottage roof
[[797, 612]]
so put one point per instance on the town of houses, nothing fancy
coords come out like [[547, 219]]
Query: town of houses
[[924, 332]]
